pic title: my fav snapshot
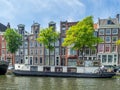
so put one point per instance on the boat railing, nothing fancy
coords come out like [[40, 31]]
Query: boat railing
[[99, 70]]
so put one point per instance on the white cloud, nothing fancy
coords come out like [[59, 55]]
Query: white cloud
[[42, 11], [7, 10]]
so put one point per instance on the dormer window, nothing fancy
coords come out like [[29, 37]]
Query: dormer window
[[110, 22]]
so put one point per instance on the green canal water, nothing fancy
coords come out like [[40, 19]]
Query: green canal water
[[11, 82]]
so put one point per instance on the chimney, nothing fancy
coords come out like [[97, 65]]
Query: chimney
[[8, 25]]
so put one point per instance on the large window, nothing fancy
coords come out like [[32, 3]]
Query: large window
[[31, 52], [93, 52], [36, 60], [114, 38], [46, 51], [110, 57], [107, 47], [115, 31], [115, 58], [57, 43], [114, 48], [63, 30], [102, 37], [3, 44], [26, 44], [108, 31], [41, 53], [26, 52], [71, 62], [107, 39], [101, 48], [71, 52], [101, 32], [40, 59], [87, 51], [104, 58], [56, 51]]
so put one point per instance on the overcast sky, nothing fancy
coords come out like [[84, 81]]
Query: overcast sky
[[43, 11]]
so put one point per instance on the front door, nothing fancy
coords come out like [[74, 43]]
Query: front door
[[57, 61]]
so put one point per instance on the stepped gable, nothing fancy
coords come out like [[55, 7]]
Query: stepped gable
[[2, 27]]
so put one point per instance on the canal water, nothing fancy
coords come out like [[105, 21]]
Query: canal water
[[11, 82]]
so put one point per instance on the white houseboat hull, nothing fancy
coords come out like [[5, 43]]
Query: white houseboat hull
[[62, 71]]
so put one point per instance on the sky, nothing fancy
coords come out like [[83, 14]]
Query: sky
[[43, 11]]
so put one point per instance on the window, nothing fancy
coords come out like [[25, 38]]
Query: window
[[40, 59], [31, 52], [57, 43], [46, 51], [36, 60], [31, 44], [99, 56], [108, 31], [107, 39], [104, 58], [52, 52], [101, 32], [40, 45], [101, 48], [63, 30], [62, 39], [26, 52], [115, 31], [95, 34], [63, 51], [56, 51], [102, 37], [93, 52], [114, 38], [35, 51], [3, 45], [115, 58], [25, 44], [71, 62], [87, 51], [71, 51], [21, 52], [110, 57], [114, 48], [107, 47], [40, 52], [3, 52], [110, 22]]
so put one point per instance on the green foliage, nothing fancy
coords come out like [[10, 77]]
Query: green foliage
[[47, 36], [81, 35], [13, 39], [118, 42]]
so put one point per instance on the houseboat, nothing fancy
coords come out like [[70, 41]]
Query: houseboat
[[62, 71], [3, 67]]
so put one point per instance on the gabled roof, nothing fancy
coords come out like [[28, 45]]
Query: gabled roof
[[2, 27]]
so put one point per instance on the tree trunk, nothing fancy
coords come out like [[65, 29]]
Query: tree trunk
[[83, 54], [49, 56]]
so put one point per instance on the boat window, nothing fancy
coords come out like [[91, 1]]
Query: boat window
[[46, 69], [58, 69], [96, 63], [34, 68], [71, 69]]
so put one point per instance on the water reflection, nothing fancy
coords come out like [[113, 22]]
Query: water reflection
[[11, 82]]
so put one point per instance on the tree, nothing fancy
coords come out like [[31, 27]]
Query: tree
[[47, 37], [13, 39], [81, 35]]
